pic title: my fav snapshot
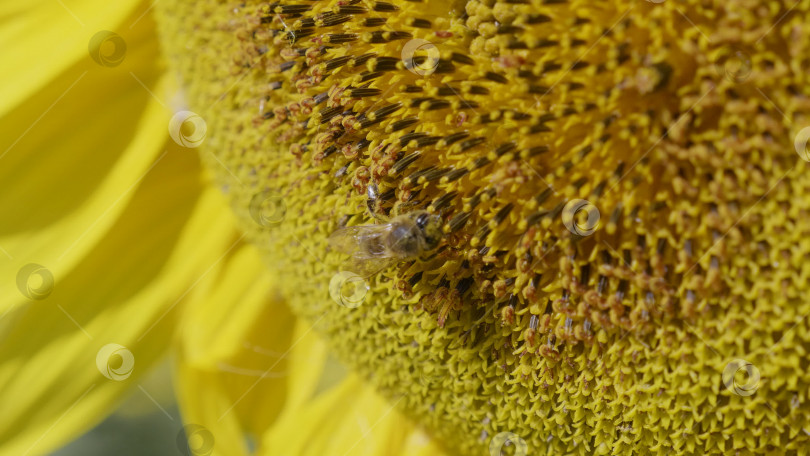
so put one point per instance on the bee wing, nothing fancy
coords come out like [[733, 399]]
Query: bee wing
[[354, 240], [364, 245], [368, 267]]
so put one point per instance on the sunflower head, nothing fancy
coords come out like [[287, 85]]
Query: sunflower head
[[622, 206]]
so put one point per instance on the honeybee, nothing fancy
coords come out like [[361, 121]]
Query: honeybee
[[373, 248]]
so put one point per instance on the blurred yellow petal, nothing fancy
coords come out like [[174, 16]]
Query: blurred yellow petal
[[65, 178], [350, 419], [52, 359], [51, 36], [206, 427], [142, 259], [239, 356], [309, 356], [240, 330], [225, 307], [235, 339]]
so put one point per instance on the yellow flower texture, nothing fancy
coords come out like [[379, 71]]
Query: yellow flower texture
[[623, 193], [117, 254], [622, 188]]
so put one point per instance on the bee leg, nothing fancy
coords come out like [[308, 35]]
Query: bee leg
[[429, 257], [373, 201], [371, 206], [377, 216]]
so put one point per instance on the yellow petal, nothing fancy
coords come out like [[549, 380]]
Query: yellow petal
[[347, 419], [203, 399], [226, 306], [308, 366], [236, 338], [53, 356], [49, 37], [68, 170]]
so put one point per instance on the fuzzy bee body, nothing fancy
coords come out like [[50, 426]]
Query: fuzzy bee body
[[374, 247]]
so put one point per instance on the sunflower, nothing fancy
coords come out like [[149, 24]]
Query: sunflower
[[118, 253], [621, 188]]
